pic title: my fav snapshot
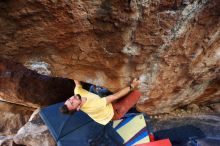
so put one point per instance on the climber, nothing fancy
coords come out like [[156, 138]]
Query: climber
[[101, 110]]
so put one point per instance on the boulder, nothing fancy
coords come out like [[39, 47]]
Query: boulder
[[13, 117], [193, 108], [6, 140], [216, 107], [34, 133], [173, 46]]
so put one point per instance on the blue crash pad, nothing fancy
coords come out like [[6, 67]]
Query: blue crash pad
[[78, 129]]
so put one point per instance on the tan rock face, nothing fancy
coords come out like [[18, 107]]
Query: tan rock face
[[13, 117], [6, 140], [173, 46], [34, 133]]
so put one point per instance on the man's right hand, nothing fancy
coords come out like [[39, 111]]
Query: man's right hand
[[135, 83]]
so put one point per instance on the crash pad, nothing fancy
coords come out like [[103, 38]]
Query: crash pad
[[132, 128], [78, 129], [163, 142]]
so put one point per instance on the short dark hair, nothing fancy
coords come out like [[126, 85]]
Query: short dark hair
[[79, 96], [64, 109]]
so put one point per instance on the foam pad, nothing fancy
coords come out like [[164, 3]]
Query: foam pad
[[132, 129], [164, 142], [78, 129]]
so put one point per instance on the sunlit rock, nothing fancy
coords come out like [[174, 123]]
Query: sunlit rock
[[173, 46]]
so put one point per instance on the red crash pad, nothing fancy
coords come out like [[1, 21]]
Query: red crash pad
[[164, 142]]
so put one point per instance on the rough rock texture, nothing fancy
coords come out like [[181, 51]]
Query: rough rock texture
[[13, 117], [216, 107], [173, 46], [23, 86], [34, 133], [6, 140]]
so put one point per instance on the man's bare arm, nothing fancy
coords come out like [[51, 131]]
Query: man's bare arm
[[135, 83], [77, 82]]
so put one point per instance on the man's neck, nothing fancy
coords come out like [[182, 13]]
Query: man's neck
[[83, 100]]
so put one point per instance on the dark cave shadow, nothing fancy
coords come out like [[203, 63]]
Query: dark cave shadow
[[87, 86]]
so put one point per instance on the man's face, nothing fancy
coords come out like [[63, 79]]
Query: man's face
[[73, 103]]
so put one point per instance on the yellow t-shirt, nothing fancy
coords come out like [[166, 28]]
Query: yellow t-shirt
[[95, 106]]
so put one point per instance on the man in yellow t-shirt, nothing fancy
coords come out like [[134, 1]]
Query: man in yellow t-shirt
[[99, 109]]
